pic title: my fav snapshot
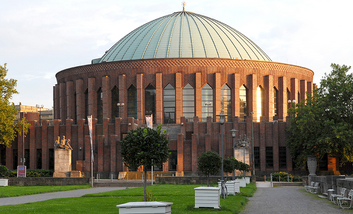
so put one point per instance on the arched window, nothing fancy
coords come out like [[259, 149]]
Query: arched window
[[99, 106], [226, 102], [169, 104], [275, 101], [260, 95], [243, 101], [150, 101], [207, 102], [132, 102], [188, 102], [115, 101]]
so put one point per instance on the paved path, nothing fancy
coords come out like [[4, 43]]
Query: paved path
[[47, 196], [287, 200]]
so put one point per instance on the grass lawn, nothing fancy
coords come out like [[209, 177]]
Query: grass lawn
[[14, 191], [182, 196]]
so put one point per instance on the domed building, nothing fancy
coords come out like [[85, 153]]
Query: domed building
[[184, 69]]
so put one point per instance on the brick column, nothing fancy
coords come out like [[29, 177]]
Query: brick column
[[80, 100], [251, 81], [236, 96], [208, 135], [118, 160], [100, 153], [282, 98], [198, 95], [268, 85], [294, 89], [87, 162], [140, 98], [194, 143], [180, 152], [45, 149], [275, 146], [63, 98], [107, 96], [113, 142], [217, 97], [92, 97], [32, 146], [68, 136], [262, 143], [159, 98], [303, 89], [122, 96], [70, 100], [310, 87], [56, 129], [178, 97], [80, 138], [56, 99]]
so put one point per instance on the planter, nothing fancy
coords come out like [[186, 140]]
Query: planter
[[207, 197], [145, 207], [247, 180], [242, 182], [230, 187], [4, 182], [312, 163]]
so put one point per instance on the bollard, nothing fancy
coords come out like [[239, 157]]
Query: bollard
[[111, 176], [271, 180], [97, 176]]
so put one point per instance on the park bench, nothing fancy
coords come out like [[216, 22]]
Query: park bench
[[307, 188], [334, 197], [346, 202], [315, 189]]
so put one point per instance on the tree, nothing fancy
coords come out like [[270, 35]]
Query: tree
[[323, 123], [144, 147], [8, 127], [209, 163], [230, 164]]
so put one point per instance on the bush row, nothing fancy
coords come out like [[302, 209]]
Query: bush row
[[4, 172]]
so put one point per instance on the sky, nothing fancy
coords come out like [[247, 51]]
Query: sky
[[39, 38]]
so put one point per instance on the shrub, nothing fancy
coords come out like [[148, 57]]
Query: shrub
[[33, 173], [4, 172]]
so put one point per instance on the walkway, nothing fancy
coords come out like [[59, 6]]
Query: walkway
[[52, 195], [288, 200]]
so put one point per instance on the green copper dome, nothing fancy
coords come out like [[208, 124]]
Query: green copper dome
[[184, 35]]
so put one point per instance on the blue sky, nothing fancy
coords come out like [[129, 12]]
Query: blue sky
[[40, 38]]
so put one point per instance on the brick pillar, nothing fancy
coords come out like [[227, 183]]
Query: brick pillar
[[122, 96], [294, 89], [113, 142], [288, 155], [45, 150], [56, 129], [282, 98], [92, 97], [87, 164], [63, 98], [303, 89], [140, 98], [32, 146], [208, 135], [70, 100], [235, 121], [251, 81], [310, 87], [69, 137], [194, 143], [198, 95], [56, 99], [275, 145], [9, 157], [80, 138], [80, 100], [159, 98], [178, 97], [119, 161], [262, 144], [100, 153], [217, 96], [180, 152], [268, 85], [107, 96], [235, 96]]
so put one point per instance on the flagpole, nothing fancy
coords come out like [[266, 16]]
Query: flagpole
[[90, 136]]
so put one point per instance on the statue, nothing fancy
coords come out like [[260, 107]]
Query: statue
[[63, 144]]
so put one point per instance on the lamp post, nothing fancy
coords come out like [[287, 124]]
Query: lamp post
[[221, 121], [252, 143], [233, 136], [242, 143]]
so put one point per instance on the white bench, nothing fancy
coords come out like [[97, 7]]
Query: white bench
[[334, 197], [346, 203]]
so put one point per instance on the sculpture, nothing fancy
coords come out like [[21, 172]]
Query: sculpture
[[63, 144]]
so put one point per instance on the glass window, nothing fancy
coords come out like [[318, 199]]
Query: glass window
[[243, 101], [226, 102], [173, 160], [188, 102], [115, 101], [51, 159], [132, 102], [169, 104], [282, 157], [3, 155], [207, 102], [269, 157], [15, 158], [39, 158], [150, 101], [99, 106], [275, 102], [257, 156]]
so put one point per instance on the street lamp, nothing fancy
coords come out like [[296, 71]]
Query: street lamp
[[221, 121], [233, 136]]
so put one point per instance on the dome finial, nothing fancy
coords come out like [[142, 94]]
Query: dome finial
[[183, 6]]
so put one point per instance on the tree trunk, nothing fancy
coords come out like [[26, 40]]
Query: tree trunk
[[144, 183], [208, 176]]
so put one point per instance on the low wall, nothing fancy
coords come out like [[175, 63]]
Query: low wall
[[188, 180], [331, 182], [44, 181]]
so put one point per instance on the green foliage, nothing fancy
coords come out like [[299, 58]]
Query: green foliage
[[244, 166], [323, 123], [4, 172], [149, 196], [230, 164], [33, 173], [209, 163]]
